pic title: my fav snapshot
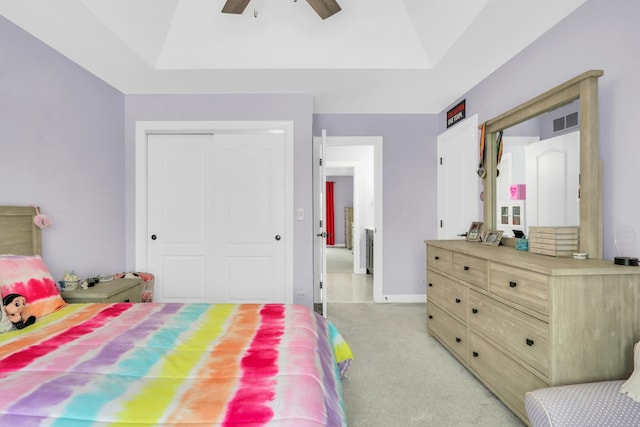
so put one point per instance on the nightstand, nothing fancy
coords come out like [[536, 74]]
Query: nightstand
[[117, 290]]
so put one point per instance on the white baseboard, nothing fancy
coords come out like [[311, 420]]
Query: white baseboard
[[413, 298]]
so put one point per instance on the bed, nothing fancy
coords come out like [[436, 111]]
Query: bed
[[167, 363]]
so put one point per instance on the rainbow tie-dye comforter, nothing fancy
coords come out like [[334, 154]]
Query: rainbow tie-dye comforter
[[173, 364]]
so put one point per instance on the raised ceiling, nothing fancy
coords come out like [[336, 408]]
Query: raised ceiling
[[374, 56]]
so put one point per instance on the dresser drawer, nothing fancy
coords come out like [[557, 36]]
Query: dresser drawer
[[524, 287], [449, 330], [130, 295], [508, 378], [471, 269], [524, 336], [450, 295], [439, 259]]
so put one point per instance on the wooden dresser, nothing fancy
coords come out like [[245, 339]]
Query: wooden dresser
[[520, 321]]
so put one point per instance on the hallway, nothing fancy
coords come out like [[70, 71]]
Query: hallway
[[343, 285]]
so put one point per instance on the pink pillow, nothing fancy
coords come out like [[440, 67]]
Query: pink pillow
[[28, 276], [5, 323]]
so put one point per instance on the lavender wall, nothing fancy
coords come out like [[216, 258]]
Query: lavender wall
[[598, 35], [409, 189], [61, 147], [297, 107]]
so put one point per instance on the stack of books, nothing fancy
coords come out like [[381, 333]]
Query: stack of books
[[554, 241]]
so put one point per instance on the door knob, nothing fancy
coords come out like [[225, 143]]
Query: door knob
[[154, 237], [278, 237]]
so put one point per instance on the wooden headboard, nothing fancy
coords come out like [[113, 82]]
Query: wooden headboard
[[18, 233]]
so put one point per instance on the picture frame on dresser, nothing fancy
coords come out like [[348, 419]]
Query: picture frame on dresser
[[475, 231], [493, 238]]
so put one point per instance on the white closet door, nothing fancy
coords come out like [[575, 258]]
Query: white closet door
[[249, 225], [180, 209], [552, 170]]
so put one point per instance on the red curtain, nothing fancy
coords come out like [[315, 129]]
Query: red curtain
[[329, 216]]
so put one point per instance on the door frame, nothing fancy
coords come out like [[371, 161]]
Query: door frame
[[376, 142], [143, 128]]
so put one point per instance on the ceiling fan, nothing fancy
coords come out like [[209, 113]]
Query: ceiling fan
[[324, 8]]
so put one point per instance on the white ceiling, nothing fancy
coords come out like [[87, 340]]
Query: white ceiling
[[374, 56]]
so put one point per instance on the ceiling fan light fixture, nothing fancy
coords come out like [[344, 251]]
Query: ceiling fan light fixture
[[235, 6], [325, 8]]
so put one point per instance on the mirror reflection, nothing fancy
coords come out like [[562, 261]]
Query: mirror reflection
[[539, 172]]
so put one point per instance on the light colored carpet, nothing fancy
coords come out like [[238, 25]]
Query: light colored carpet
[[402, 377]]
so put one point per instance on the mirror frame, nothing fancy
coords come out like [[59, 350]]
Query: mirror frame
[[585, 88]]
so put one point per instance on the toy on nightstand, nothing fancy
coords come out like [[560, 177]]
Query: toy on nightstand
[[70, 281], [89, 283]]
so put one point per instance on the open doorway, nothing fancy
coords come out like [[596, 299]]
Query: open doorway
[[363, 155], [345, 282]]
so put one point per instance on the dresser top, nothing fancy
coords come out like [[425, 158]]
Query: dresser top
[[556, 266]]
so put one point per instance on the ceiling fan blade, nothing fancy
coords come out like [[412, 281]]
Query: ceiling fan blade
[[325, 8], [235, 6]]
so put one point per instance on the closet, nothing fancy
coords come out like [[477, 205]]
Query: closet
[[214, 221]]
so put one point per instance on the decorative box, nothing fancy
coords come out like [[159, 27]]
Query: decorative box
[[522, 244], [518, 191], [554, 241]]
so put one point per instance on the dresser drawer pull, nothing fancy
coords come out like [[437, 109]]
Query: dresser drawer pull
[[436, 257], [430, 285], [458, 301], [466, 268], [474, 310], [458, 339], [529, 342], [512, 284], [475, 354], [430, 316]]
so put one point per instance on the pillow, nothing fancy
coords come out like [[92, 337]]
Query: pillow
[[5, 323], [632, 386], [28, 276]]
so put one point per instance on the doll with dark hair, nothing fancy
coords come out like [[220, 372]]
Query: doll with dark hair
[[14, 305]]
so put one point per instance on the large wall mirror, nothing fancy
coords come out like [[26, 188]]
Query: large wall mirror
[[567, 189]]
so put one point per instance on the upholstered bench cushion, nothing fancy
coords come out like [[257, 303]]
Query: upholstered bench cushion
[[591, 404]]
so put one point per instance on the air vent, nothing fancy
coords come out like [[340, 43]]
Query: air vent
[[572, 120], [565, 122], [558, 124]]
